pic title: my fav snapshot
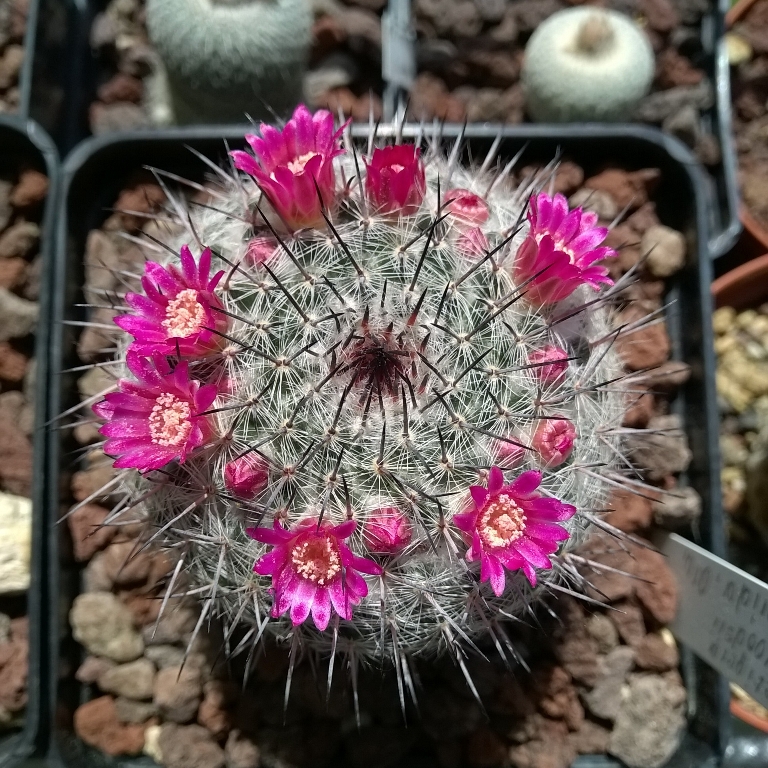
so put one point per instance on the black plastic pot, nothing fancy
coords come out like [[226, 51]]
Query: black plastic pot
[[24, 142], [65, 82], [94, 174]]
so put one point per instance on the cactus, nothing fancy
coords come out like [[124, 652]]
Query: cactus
[[380, 409], [586, 64], [228, 58]]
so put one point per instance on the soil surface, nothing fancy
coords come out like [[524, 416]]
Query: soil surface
[[749, 83], [13, 24], [603, 676]]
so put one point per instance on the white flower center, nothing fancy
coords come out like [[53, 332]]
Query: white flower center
[[501, 522], [184, 315], [317, 560], [169, 422], [297, 165]]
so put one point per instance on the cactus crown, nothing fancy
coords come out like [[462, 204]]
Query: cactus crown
[[390, 415]]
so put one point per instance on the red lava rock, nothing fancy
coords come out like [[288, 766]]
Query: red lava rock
[[357, 107], [178, 691], [89, 481], [556, 696], [590, 739], [89, 535], [660, 14], [628, 188], [543, 754], [13, 675], [655, 655], [93, 668], [658, 593], [214, 711], [121, 88], [327, 35], [646, 347], [143, 197], [430, 98], [189, 746], [31, 189], [669, 376], [19, 240], [568, 178], [672, 70], [644, 218], [626, 242], [640, 411], [575, 648], [13, 273], [97, 724], [628, 620], [13, 364], [15, 458], [630, 512]]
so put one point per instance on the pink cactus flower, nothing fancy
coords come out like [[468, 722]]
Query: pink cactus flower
[[554, 439], [178, 313], [513, 527], [246, 476], [261, 250], [550, 363], [387, 531], [293, 165], [313, 570], [473, 243], [152, 421], [563, 247], [467, 207], [395, 180]]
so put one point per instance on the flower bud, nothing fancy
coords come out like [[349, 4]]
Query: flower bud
[[554, 439], [466, 206], [246, 476], [387, 531], [558, 363]]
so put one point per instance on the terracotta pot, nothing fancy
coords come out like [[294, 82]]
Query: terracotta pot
[[747, 716], [754, 229], [743, 287], [738, 12]]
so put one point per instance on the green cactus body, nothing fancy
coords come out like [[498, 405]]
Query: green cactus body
[[382, 362]]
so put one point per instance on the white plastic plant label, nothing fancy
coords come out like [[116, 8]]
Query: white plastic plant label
[[722, 614]]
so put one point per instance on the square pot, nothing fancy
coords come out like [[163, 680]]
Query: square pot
[[94, 174]]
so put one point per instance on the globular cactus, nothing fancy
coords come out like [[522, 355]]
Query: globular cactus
[[586, 64], [381, 408], [228, 58]]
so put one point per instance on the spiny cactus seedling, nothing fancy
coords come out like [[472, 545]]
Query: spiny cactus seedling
[[381, 406], [225, 58]]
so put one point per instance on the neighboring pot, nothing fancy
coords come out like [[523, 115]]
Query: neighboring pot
[[743, 287], [24, 142]]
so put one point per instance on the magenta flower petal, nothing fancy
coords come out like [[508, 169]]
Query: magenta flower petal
[[179, 313], [525, 484], [512, 527], [160, 409], [479, 494], [310, 566], [559, 248], [294, 167]]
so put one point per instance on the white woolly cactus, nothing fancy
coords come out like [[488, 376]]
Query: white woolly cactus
[[387, 419], [226, 58], [586, 64]]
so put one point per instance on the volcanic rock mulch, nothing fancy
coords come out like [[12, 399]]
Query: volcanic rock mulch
[[345, 56], [13, 24], [470, 54], [21, 201], [749, 83], [606, 679]]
